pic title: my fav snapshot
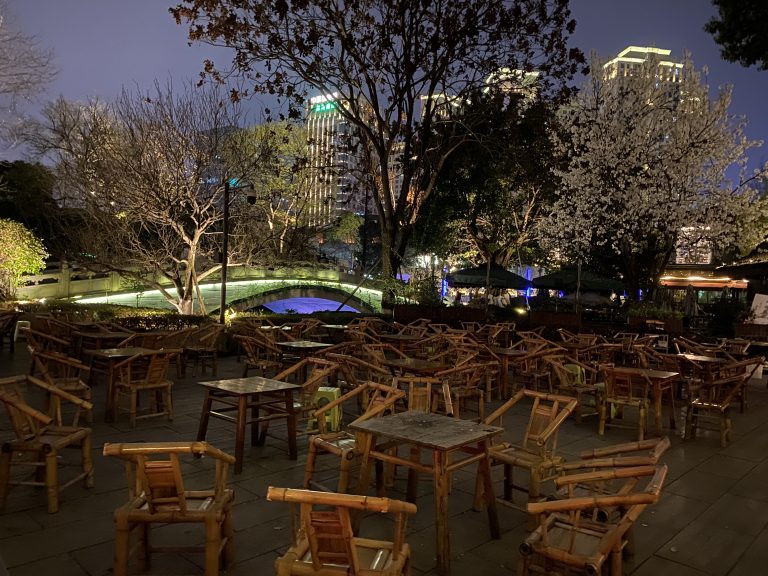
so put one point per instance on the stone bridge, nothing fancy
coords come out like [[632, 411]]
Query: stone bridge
[[247, 288]]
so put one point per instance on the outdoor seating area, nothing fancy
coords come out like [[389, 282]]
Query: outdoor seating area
[[480, 435]]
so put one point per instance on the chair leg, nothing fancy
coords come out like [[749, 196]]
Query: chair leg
[[212, 545], [122, 545], [309, 469], [228, 532], [52, 481], [87, 461], [133, 406], [5, 474]]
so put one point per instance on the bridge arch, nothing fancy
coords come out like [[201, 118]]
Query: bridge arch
[[305, 291]]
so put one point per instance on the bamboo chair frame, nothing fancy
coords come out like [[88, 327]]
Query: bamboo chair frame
[[536, 452], [378, 399], [325, 544], [574, 537], [39, 440], [157, 495]]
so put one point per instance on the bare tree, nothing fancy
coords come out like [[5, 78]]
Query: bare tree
[[398, 71], [146, 174], [25, 68]]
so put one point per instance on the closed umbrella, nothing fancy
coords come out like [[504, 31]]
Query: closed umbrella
[[496, 276], [569, 280]]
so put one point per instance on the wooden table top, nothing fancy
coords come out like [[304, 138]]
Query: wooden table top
[[428, 430], [249, 385], [108, 353], [651, 373], [418, 365], [700, 358], [303, 344]]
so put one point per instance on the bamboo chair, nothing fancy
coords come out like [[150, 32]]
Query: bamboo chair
[[8, 329], [145, 372], [622, 391], [157, 496], [202, 349], [314, 375], [343, 444], [324, 543], [356, 371], [745, 367], [573, 536], [176, 339], [68, 374], [40, 440], [467, 382], [573, 378], [536, 451], [260, 355], [711, 406], [44, 342], [425, 394]]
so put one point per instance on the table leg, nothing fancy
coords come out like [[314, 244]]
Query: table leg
[[657, 409], [257, 438], [242, 412], [292, 448], [484, 469], [110, 408], [205, 416], [443, 544], [504, 378]]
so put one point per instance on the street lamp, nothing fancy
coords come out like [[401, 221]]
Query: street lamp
[[225, 247]]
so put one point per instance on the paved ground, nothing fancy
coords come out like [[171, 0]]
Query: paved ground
[[711, 519]]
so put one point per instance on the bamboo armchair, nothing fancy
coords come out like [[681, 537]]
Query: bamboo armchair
[[378, 399], [467, 382], [145, 372], [581, 381], [157, 495], [622, 391], [536, 451], [574, 537], [710, 407], [65, 373], [746, 368], [39, 441], [8, 321], [261, 355], [202, 349], [325, 543]]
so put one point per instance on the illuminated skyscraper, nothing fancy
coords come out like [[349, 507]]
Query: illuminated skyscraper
[[632, 58], [330, 159]]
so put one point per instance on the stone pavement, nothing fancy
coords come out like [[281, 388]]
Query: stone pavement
[[712, 518]]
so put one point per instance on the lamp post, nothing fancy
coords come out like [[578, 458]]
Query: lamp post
[[224, 254], [225, 248]]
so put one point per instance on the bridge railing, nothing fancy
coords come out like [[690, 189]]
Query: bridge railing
[[62, 281]]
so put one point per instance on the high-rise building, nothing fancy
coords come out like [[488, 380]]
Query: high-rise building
[[331, 159], [632, 58]]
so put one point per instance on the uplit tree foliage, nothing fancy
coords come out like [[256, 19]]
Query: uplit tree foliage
[[21, 252], [25, 68], [399, 70], [494, 192], [647, 160], [146, 174]]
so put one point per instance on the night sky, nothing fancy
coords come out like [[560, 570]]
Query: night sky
[[103, 45]]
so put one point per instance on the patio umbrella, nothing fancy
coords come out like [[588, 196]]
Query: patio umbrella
[[475, 277], [568, 279], [589, 299]]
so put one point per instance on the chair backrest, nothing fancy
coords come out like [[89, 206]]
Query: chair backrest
[[154, 471], [425, 394], [357, 371], [548, 412], [27, 421], [626, 387], [146, 369], [325, 522]]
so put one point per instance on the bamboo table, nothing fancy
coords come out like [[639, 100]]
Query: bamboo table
[[254, 392], [444, 436]]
